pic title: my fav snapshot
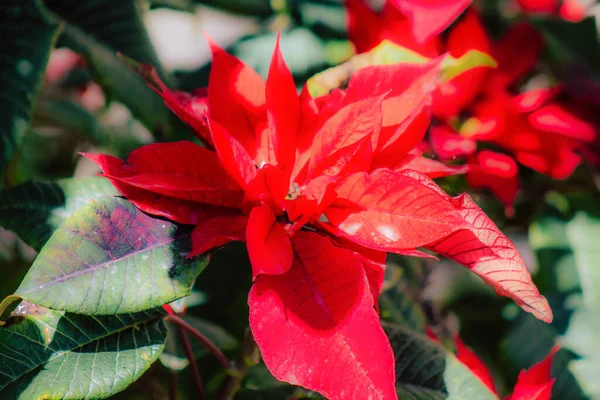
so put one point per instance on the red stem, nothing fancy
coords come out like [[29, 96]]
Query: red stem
[[187, 348], [201, 338]]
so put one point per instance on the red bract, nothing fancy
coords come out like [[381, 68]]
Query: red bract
[[367, 28], [532, 384], [320, 189], [570, 10]]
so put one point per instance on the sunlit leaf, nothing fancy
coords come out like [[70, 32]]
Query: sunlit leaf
[[108, 258]]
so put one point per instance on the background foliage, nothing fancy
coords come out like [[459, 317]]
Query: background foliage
[[51, 205]]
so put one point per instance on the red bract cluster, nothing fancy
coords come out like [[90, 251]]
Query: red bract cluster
[[319, 189], [535, 127]]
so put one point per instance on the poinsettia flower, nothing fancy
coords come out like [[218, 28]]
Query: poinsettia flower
[[320, 189], [534, 383], [367, 28]]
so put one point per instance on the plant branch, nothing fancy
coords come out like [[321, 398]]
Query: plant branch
[[210, 346], [249, 356], [187, 347]]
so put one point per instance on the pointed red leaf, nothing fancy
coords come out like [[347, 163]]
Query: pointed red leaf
[[558, 119], [391, 211], [400, 140], [496, 172], [483, 248], [431, 17], [531, 100], [181, 169], [236, 95], [179, 210], [269, 246], [368, 28], [448, 144], [432, 168], [474, 363], [217, 231], [233, 156], [352, 123], [535, 383], [311, 324], [283, 111]]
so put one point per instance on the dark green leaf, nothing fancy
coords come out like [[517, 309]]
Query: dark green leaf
[[27, 38], [119, 81], [48, 354], [108, 258], [34, 210], [118, 24], [426, 370]]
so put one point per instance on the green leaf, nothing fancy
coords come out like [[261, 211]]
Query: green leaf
[[35, 209], [120, 82], [28, 36], [399, 304], [117, 24], [109, 258], [48, 354], [427, 370], [390, 53]]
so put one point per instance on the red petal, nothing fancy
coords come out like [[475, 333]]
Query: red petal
[[401, 140], [557, 119], [535, 383], [182, 170], [347, 127], [533, 99], [432, 168], [448, 144], [179, 210], [545, 6], [391, 211], [316, 326], [470, 359], [283, 112], [500, 181], [573, 10], [232, 155], [451, 97], [431, 17], [483, 248], [406, 86], [236, 95], [218, 231], [269, 246], [367, 29]]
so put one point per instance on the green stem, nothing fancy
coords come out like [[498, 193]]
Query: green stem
[[249, 356]]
